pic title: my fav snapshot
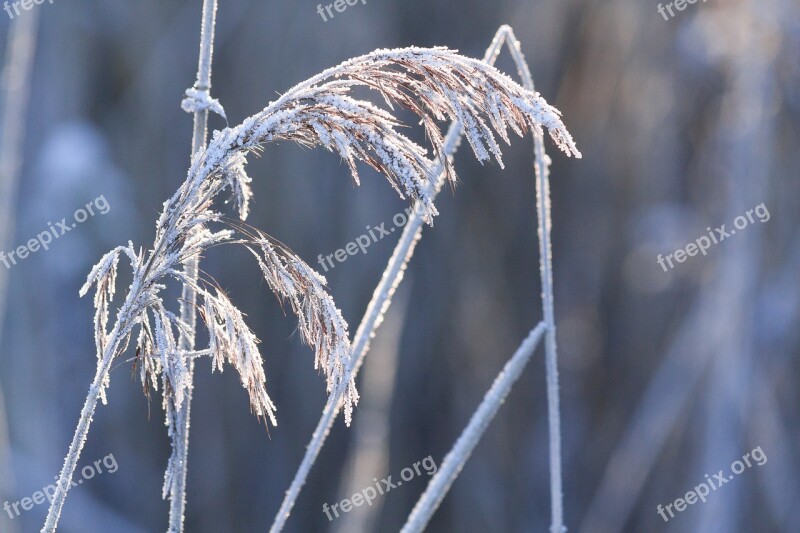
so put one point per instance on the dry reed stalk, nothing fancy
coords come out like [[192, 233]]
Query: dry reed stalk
[[435, 83]]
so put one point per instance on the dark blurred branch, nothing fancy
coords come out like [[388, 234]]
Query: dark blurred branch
[[20, 53]]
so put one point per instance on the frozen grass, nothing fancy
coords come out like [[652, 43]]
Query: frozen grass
[[435, 83]]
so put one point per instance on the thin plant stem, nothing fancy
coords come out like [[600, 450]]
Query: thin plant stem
[[20, 52], [545, 225], [380, 302], [551, 355], [177, 508], [121, 329], [455, 460], [441, 482]]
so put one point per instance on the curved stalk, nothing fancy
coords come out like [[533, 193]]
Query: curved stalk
[[177, 507], [118, 333]]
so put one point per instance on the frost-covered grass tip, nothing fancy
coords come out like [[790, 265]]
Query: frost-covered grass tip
[[437, 84]]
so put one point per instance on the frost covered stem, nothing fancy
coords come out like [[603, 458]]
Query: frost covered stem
[[458, 456], [546, 270], [118, 333], [380, 302], [189, 296], [381, 299], [378, 305], [551, 355]]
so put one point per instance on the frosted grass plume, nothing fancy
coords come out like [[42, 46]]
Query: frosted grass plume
[[435, 83]]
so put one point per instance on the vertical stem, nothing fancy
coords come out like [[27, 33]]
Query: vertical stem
[[189, 297], [545, 223], [551, 356]]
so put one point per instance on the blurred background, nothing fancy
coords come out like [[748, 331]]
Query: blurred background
[[684, 124]]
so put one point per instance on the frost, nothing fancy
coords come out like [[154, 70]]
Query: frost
[[436, 84], [197, 100]]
